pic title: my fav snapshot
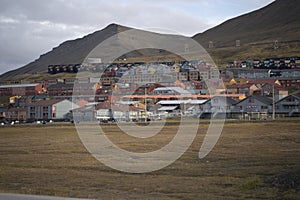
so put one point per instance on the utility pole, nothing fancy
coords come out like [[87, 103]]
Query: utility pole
[[273, 105], [145, 106]]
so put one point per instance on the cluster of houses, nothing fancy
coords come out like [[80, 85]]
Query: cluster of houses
[[118, 69], [161, 102], [269, 63], [133, 92], [191, 71]]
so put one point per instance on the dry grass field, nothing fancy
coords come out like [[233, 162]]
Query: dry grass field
[[250, 161]]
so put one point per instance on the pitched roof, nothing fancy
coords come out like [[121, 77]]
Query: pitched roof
[[116, 107], [263, 99], [19, 85], [46, 102], [61, 85], [263, 81], [276, 86], [297, 96], [178, 102], [228, 99], [176, 89], [235, 86], [3, 109], [167, 108], [228, 79], [82, 102], [22, 109]]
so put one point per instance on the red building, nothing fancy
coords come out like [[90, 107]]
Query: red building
[[60, 89], [21, 89]]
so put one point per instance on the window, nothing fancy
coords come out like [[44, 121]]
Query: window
[[32, 115], [45, 108], [291, 99]]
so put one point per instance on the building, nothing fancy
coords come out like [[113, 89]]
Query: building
[[289, 105], [279, 91], [218, 106], [120, 112], [17, 114], [21, 90], [257, 104], [60, 90], [290, 82], [50, 109], [170, 91], [246, 89], [229, 81], [84, 113], [106, 111], [179, 107], [3, 114]]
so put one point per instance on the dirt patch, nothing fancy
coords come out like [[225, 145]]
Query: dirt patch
[[285, 181]]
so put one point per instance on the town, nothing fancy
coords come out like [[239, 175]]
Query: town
[[155, 91], [165, 100]]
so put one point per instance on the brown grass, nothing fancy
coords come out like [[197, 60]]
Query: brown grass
[[50, 160]]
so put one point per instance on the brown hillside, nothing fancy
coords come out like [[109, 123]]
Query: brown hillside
[[69, 52], [257, 32], [279, 20]]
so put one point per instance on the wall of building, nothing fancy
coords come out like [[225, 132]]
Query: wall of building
[[62, 108]]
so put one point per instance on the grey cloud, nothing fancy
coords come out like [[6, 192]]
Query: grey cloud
[[29, 28]]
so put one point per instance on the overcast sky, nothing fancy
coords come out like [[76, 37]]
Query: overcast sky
[[29, 28]]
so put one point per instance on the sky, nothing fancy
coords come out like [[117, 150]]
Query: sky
[[29, 28]]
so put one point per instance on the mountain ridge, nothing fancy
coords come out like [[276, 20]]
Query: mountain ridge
[[70, 51], [277, 21], [257, 31]]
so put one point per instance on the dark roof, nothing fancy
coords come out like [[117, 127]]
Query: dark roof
[[263, 81], [61, 85], [17, 109], [19, 85], [276, 86], [228, 99], [3, 109], [263, 99], [248, 85], [116, 107], [107, 105], [46, 102], [297, 96]]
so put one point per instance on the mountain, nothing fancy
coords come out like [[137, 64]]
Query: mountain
[[257, 32], [279, 20], [73, 51]]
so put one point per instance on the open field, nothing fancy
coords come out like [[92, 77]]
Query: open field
[[250, 161]]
